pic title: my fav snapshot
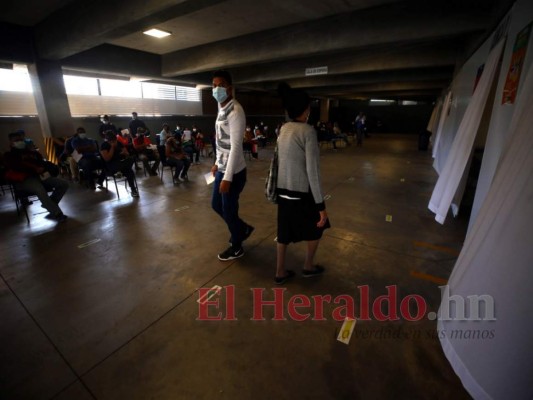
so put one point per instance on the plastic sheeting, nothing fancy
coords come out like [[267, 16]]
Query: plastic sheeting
[[454, 168], [497, 260], [436, 143]]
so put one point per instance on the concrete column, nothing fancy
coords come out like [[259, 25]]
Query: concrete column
[[324, 110], [51, 98]]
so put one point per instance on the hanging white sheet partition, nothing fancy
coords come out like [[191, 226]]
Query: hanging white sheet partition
[[434, 119], [444, 113], [497, 260], [454, 168]]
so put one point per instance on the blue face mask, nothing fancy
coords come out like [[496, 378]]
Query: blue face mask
[[220, 94]]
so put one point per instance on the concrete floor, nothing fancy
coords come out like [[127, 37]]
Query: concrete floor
[[117, 319]]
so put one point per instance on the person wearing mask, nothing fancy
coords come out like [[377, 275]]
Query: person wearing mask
[[178, 132], [118, 159], [26, 169], [137, 123], [163, 136], [142, 146], [229, 169], [177, 158], [301, 210], [187, 142], [106, 126], [69, 159], [90, 160]]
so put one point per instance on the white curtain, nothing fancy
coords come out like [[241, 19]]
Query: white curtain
[[459, 155], [497, 260], [434, 119], [438, 136]]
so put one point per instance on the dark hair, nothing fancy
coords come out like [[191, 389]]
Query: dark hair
[[295, 101], [110, 135], [224, 75], [81, 128], [13, 135]]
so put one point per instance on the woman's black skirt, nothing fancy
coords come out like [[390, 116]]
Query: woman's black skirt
[[297, 220]]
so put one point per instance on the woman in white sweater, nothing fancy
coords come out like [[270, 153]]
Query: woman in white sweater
[[301, 209]]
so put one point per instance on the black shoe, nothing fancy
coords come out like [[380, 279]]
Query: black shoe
[[230, 254], [134, 193], [317, 271], [248, 231], [283, 279]]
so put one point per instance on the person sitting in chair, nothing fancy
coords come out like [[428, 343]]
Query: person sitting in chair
[[142, 146], [90, 162], [27, 170], [177, 158], [118, 159]]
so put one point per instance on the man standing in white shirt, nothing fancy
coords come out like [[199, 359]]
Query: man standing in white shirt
[[230, 167]]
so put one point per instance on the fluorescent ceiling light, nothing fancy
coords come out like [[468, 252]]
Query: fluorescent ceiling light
[[158, 33]]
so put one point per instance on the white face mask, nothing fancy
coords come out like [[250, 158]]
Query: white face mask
[[220, 94], [19, 145], [82, 135]]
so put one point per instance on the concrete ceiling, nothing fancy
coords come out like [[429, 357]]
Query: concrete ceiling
[[400, 49]]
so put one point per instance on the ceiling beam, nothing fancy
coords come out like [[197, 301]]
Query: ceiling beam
[[410, 22], [82, 25]]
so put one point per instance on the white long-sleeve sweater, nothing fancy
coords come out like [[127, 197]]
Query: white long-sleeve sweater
[[230, 125]]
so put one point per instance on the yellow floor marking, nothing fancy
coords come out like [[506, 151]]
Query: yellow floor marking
[[431, 278], [443, 249]]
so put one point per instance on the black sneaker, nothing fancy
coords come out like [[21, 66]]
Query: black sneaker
[[230, 254], [283, 279], [134, 193], [317, 271]]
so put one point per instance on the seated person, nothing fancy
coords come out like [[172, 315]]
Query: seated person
[[141, 145], [163, 136], [248, 143], [106, 126], [178, 132], [67, 158], [26, 169], [199, 141], [187, 143], [176, 157], [29, 142], [117, 159], [90, 161], [259, 138], [325, 135], [337, 134]]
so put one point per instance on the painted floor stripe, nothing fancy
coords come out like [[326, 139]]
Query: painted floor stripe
[[442, 249], [81, 246], [431, 278], [207, 296]]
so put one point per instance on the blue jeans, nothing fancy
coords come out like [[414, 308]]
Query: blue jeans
[[227, 205], [35, 186]]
